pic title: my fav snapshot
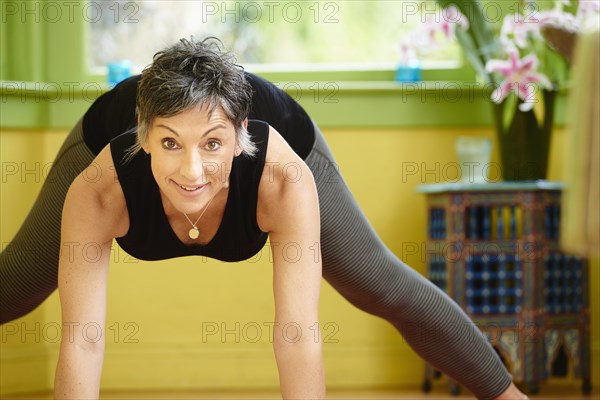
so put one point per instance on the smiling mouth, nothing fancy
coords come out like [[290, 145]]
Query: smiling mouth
[[190, 188]]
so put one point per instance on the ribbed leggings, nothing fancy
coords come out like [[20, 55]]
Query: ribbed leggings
[[355, 262]]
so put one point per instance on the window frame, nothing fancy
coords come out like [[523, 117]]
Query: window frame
[[48, 60]]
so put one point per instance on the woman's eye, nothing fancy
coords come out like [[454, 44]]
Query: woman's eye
[[213, 145], [169, 144]]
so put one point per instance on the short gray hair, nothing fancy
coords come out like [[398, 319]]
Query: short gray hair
[[192, 73]]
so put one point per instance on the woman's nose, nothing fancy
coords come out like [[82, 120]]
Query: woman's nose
[[192, 167]]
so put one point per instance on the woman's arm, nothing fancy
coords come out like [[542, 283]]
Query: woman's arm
[[93, 214], [289, 211]]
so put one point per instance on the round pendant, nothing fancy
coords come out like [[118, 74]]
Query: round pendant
[[194, 233]]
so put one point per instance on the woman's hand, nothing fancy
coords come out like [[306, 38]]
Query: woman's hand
[[512, 393], [288, 209], [93, 214]]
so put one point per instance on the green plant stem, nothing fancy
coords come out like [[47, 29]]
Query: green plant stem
[[479, 42]]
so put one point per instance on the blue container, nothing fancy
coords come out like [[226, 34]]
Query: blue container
[[410, 72], [118, 71]]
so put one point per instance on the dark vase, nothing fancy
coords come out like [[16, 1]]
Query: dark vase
[[525, 143]]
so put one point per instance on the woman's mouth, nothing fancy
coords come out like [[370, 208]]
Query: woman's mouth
[[190, 189]]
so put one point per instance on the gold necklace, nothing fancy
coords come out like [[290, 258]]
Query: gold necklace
[[194, 232]]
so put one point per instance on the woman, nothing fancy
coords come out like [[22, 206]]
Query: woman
[[199, 173]]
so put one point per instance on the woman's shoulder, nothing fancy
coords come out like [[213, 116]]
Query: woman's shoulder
[[285, 180], [97, 190]]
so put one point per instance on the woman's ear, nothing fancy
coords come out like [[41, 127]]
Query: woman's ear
[[238, 149], [145, 144]]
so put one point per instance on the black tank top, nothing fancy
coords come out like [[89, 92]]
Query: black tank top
[[150, 236]]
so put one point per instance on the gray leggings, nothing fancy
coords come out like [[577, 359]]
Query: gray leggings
[[355, 262]]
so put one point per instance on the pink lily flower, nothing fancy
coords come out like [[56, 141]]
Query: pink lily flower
[[407, 52], [451, 18], [445, 22], [515, 29], [520, 77]]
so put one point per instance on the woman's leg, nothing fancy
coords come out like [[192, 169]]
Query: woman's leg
[[29, 264], [364, 270]]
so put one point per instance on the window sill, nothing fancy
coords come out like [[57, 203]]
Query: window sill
[[331, 103]]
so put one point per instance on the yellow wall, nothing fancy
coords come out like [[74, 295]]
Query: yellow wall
[[159, 312]]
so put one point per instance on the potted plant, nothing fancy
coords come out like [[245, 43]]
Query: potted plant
[[523, 62]]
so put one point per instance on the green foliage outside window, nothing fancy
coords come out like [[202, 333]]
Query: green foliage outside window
[[262, 32]]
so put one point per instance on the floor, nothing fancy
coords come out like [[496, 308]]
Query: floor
[[549, 390]]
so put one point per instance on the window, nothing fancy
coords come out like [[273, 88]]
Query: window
[[358, 32]]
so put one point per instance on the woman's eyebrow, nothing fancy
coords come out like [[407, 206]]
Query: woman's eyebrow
[[204, 134], [213, 128], [166, 127]]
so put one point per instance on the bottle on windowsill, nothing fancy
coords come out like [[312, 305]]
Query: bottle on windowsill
[[408, 71], [408, 68], [117, 72]]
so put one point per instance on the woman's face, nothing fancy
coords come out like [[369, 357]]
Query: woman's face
[[192, 153]]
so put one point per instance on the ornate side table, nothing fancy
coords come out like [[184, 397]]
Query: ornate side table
[[494, 248]]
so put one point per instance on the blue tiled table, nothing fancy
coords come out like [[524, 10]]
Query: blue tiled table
[[494, 248]]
